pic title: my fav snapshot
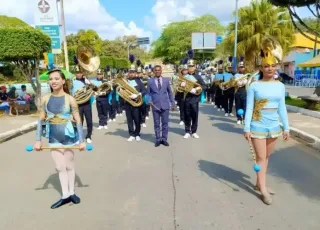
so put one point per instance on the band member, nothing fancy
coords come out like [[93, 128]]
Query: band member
[[220, 78], [192, 99], [160, 97], [228, 94], [179, 97], [149, 76], [143, 108], [57, 110], [265, 104], [241, 94], [212, 87], [85, 109], [113, 101], [101, 101], [133, 114]]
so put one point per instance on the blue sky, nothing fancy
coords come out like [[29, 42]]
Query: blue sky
[[112, 18]]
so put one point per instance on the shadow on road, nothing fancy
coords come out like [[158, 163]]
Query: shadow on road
[[223, 173], [53, 180], [224, 119], [124, 133], [227, 127], [178, 131], [302, 172]]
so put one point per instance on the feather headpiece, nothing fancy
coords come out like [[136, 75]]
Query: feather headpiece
[[241, 62], [131, 58], [138, 62], [271, 52], [230, 59], [220, 64], [107, 68], [190, 54]]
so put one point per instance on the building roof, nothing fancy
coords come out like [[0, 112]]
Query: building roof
[[314, 62], [302, 41]]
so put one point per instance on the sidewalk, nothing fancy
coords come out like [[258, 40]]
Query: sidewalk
[[305, 123], [16, 125]]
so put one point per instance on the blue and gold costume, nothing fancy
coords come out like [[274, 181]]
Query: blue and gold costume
[[261, 122], [58, 126], [266, 102]]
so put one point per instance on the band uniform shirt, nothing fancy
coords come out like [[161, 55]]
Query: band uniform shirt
[[192, 98]]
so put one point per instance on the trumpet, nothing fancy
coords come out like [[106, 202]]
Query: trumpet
[[104, 89], [125, 91]]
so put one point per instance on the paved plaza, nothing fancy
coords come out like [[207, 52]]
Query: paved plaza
[[194, 184]]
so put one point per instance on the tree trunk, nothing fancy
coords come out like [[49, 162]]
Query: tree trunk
[[38, 86]]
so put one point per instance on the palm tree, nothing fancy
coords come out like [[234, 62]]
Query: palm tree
[[257, 21]]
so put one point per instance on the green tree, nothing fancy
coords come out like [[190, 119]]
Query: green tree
[[299, 24], [175, 39], [257, 21], [25, 47], [11, 22]]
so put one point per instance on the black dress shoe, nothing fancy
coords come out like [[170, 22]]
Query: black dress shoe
[[165, 143], [157, 144], [61, 202], [75, 199]]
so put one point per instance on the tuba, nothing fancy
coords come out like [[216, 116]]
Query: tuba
[[187, 88], [125, 90], [90, 62]]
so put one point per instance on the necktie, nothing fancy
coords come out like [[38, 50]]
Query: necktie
[[159, 84]]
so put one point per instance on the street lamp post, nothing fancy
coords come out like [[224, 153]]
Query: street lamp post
[[128, 48], [64, 36], [235, 39]]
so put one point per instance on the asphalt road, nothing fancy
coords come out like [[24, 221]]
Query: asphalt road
[[195, 184]]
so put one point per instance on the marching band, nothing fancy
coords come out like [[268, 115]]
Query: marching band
[[135, 91]]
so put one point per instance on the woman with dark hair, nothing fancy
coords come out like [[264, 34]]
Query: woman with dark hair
[[57, 111], [265, 104]]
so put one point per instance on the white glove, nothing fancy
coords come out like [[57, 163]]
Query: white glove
[[198, 88], [193, 91], [133, 96], [86, 81], [101, 93], [183, 84]]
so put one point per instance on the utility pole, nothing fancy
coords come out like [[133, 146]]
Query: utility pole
[[64, 36], [235, 40]]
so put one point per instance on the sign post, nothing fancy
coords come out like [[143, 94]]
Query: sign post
[[143, 41], [46, 19]]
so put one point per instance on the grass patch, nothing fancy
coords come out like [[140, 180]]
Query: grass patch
[[299, 103]]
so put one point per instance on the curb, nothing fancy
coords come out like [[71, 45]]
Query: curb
[[305, 137], [303, 111], [17, 132]]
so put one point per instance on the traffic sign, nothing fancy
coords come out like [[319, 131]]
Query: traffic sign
[[143, 41], [219, 39]]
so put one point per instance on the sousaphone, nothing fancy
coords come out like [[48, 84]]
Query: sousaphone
[[90, 62]]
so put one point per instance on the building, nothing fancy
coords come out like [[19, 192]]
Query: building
[[302, 50]]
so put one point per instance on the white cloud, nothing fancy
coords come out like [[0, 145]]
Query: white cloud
[[166, 11], [79, 14]]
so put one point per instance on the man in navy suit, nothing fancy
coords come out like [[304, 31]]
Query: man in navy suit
[[160, 98]]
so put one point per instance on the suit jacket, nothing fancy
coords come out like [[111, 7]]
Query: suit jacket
[[163, 98]]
